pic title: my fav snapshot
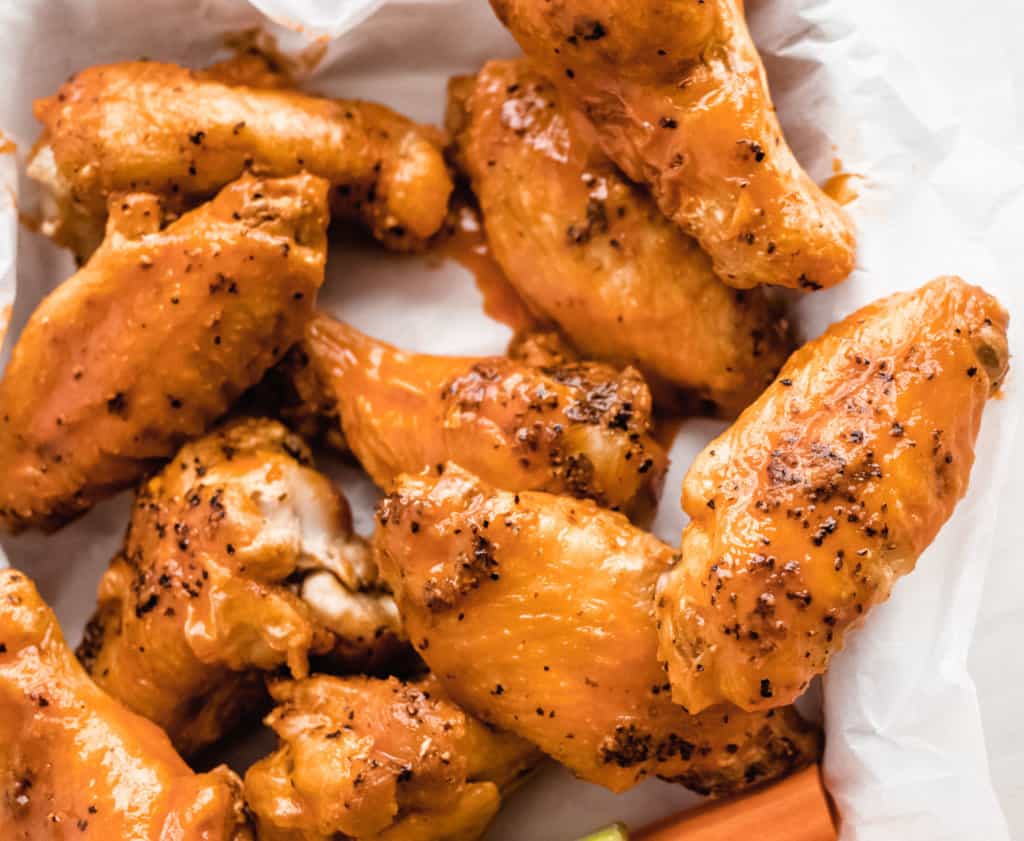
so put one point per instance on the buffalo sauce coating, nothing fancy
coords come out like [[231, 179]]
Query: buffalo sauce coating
[[239, 558], [590, 251], [361, 757], [534, 611], [825, 491], [676, 95], [161, 128], [75, 764], [153, 339], [578, 428]]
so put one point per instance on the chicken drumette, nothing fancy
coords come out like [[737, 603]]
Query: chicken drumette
[[580, 428], [825, 491], [590, 251], [75, 764], [675, 93], [535, 612], [364, 758], [159, 128], [240, 558], [152, 341]]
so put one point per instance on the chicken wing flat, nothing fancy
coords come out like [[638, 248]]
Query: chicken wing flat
[[240, 558], [590, 251], [825, 491], [159, 128], [676, 95], [536, 614], [579, 428], [364, 758], [153, 339], [75, 763]]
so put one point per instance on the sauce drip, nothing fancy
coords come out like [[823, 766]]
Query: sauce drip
[[464, 242], [839, 186]]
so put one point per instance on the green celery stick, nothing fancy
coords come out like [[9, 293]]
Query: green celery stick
[[615, 832]]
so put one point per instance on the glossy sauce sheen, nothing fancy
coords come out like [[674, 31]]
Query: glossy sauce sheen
[[577, 428], [75, 763], [214, 299], [825, 491], [590, 251], [205, 592], [156, 127], [364, 758], [535, 613], [676, 95]]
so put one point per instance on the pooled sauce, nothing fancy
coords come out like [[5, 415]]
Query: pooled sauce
[[7, 146], [839, 186], [464, 242]]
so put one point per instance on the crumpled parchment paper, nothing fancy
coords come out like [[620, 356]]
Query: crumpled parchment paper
[[917, 97]]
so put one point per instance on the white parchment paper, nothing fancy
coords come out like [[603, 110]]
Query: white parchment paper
[[924, 99]]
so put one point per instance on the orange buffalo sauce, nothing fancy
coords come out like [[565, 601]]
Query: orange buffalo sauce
[[464, 242], [840, 186]]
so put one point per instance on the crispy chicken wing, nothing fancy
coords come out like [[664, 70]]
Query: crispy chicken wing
[[825, 491], [676, 95], [75, 764], [535, 613], [578, 428], [590, 251], [239, 557], [364, 758], [153, 339], [160, 128]]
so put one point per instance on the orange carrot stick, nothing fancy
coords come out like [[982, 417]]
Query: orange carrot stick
[[796, 809]]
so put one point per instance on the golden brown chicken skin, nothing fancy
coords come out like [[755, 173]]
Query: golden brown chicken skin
[[591, 252], [239, 558], [365, 758], [825, 491], [159, 128], [75, 764], [578, 428], [152, 340], [535, 613], [676, 95]]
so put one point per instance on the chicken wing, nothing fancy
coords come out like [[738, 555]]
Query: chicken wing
[[239, 557], [825, 491], [579, 428], [159, 128], [535, 613], [75, 764], [152, 340], [676, 95], [363, 758], [590, 251]]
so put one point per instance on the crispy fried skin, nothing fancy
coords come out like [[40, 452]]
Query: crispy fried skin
[[364, 758], [579, 428], [152, 340], [825, 491], [155, 127], [676, 95], [239, 557], [590, 251], [535, 613], [75, 764]]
